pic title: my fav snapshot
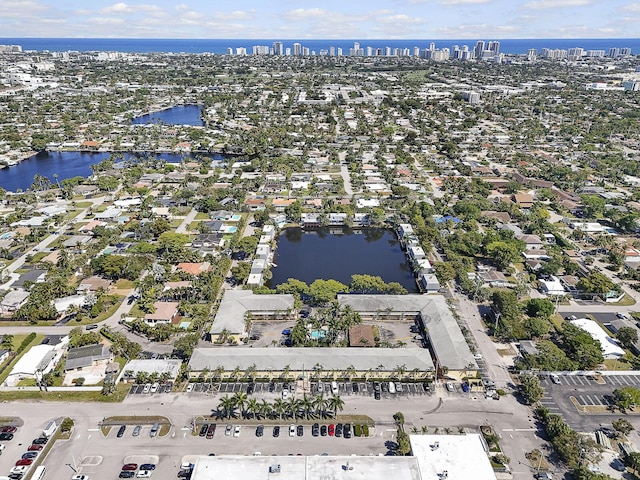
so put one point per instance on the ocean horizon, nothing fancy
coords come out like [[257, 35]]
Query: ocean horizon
[[221, 46]]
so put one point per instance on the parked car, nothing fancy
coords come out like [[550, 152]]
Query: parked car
[[392, 387], [259, 430], [189, 387], [147, 388], [315, 429], [154, 388], [80, 477], [331, 429], [554, 378], [320, 387], [276, 431], [228, 430], [211, 431], [354, 387], [236, 431], [19, 469], [285, 394], [148, 466], [184, 473], [376, 395], [399, 387], [334, 388], [338, 430], [144, 474], [40, 441], [93, 326], [35, 447], [376, 386], [30, 455], [121, 431], [346, 433], [292, 430], [9, 429], [300, 430], [6, 436], [24, 461], [136, 430], [16, 476], [127, 474], [323, 430], [154, 430], [130, 466]]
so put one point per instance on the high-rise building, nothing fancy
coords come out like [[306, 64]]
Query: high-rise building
[[479, 48], [332, 51], [277, 48], [494, 47], [416, 51], [575, 54], [432, 46], [305, 51], [339, 51], [531, 55], [297, 49]]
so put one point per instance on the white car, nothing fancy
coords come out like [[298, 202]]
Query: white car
[[144, 474], [146, 388], [20, 469], [154, 387], [189, 387], [1, 447], [285, 394], [80, 477], [292, 430], [236, 431]]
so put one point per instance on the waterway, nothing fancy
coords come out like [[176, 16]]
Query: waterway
[[338, 253], [178, 115], [72, 164]]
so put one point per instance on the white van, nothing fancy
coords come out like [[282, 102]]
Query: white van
[[334, 388], [392, 387]]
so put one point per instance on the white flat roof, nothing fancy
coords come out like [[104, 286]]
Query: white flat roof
[[306, 468], [463, 457], [610, 348]]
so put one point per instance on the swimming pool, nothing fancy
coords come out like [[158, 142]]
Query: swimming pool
[[318, 334], [6, 236]]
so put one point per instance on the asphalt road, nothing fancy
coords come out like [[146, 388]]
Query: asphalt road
[[102, 457]]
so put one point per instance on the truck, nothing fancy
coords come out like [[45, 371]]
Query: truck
[[50, 429]]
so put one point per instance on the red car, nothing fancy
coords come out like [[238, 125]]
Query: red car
[[35, 447], [8, 429], [332, 429], [24, 461], [130, 466]]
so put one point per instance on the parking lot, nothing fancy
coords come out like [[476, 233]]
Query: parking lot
[[101, 458], [276, 388], [16, 447], [587, 391]]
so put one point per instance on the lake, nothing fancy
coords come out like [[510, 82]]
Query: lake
[[338, 253], [178, 115], [70, 164]]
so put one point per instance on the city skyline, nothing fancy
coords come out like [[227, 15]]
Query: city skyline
[[247, 19]]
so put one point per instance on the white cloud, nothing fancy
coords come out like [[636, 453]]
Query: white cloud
[[106, 21], [546, 4], [305, 14], [463, 2], [117, 9], [632, 7]]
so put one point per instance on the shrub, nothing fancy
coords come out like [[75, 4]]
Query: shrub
[[66, 425], [365, 430], [357, 430]]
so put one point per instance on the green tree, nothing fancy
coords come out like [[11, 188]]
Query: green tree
[[531, 389], [626, 397], [445, 272], [325, 291], [502, 253], [246, 244], [241, 271], [184, 345], [627, 336], [539, 307], [293, 286]]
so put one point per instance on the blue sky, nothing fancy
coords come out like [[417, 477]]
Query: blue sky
[[300, 19]]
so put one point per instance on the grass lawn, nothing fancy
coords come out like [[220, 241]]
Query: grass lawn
[[124, 284], [202, 216], [626, 301], [70, 396], [194, 225], [37, 257], [83, 204], [176, 223], [136, 420], [613, 364], [73, 214], [556, 320], [17, 340], [108, 313]]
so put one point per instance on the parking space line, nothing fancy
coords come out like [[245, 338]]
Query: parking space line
[[582, 401]]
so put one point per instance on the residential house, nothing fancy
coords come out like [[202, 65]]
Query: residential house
[[13, 300], [164, 312], [523, 200], [87, 356], [93, 284], [255, 204]]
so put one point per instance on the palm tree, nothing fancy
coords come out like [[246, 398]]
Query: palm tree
[[234, 374], [280, 407], [306, 404], [226, 405], [335, 403], [240, 401], [319, 404], [400, 371], [285, 372], [266, 409], [350, 372], [253, 407], [292, 407], [250, 372], [217, 373]]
